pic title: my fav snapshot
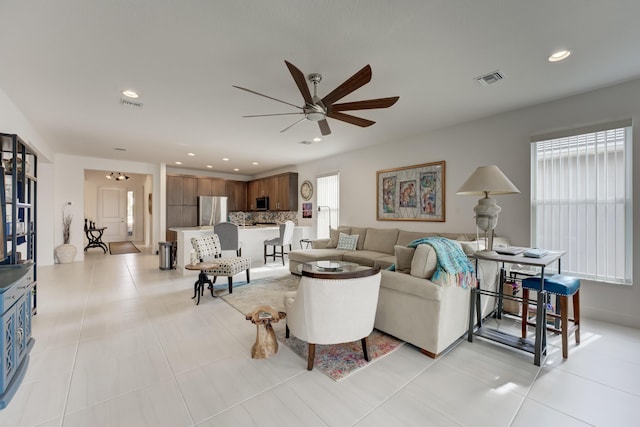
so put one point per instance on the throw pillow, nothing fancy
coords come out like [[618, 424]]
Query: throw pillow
[[347, 242], [473, 246], [424, 262], [404, 255], [334, 234]]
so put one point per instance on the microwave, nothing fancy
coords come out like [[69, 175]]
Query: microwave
[[262, 203]]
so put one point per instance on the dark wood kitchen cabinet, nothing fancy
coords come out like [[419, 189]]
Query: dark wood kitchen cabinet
[[236, 192]]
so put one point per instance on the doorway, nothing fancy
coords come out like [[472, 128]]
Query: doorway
[[112, 213], [119, 205]]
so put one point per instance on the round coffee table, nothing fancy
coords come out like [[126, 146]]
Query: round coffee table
[[336, 270]]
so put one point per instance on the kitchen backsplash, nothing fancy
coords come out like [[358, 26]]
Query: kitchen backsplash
[[277, 217]]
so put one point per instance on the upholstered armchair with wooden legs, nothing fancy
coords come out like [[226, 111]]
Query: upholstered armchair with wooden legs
[[284, 239], [208, 248], [328, 311]]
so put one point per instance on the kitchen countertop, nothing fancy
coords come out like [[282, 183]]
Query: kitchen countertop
[[245, 227], [251, 236]]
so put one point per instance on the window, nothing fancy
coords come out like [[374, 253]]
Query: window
[[581, 200], [328, 199]]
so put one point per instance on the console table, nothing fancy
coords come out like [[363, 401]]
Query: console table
[[538, 346], [95, 238], [16, 293]]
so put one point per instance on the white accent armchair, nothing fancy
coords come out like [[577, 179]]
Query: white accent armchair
[[332, 311]]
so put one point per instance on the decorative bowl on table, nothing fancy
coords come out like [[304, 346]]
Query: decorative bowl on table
[[329, 266]]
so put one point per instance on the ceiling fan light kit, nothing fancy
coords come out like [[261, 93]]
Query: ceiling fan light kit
[[317, 109]]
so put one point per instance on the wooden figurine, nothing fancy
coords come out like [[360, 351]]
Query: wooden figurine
[[266, 344]]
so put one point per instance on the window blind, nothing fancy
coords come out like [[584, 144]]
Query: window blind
[[581, 202], [328, 199]]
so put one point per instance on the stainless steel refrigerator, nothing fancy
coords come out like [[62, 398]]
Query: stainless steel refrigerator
[[212, 210]]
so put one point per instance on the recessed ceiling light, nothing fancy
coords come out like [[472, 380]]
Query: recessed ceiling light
[[210, 166], [255, 163], [559, 55], [130, 94], [178, 163], [225, 159], [236, 170], [190, 154], [317, 139]]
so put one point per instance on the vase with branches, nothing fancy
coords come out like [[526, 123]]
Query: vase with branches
[[66, 228], [66, 252]]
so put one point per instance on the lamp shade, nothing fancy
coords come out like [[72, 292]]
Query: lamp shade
[[487, 180]]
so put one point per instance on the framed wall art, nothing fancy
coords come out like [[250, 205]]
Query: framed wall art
[[411, 193]]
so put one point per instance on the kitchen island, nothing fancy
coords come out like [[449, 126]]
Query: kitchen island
[[251, 236]]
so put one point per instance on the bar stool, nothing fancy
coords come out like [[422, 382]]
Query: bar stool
[[563, 287]]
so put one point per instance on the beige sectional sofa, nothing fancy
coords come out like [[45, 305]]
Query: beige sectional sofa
[[410, 306]]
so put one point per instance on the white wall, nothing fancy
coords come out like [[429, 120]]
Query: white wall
[[69, 184], [502, 140]]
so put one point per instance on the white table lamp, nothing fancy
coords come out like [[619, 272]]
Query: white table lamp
[[487, 180]]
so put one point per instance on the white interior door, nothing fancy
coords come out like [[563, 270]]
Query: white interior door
[[112, 213]]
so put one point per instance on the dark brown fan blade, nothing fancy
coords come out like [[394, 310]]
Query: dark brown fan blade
[[324, 127], [354, 82], [369, 104], [298, 77], [358, 121], [266, 96]]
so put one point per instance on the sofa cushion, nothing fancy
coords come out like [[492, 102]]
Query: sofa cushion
[[424, 262], [385, 262], [408, 284], [404, 256], [334, 235], [406, 237], [306, 255], [347, 242], [362, 232], [381, 240], [367, 258]]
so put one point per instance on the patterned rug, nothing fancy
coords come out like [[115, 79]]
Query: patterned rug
[[119, 248], [336, 361], [341, 360]]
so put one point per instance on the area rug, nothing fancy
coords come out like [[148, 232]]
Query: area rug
[[119, 248], [263, 291], [336, 361]]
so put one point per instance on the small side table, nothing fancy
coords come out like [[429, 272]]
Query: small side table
[[95, 238], [307, 242], [266, 344], [198, 286]]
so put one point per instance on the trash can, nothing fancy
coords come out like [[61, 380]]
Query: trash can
[[165, 250]]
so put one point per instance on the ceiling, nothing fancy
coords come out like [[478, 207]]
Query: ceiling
[[64, 64]]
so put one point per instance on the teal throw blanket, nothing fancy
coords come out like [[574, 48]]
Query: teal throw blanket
[[453, 268]]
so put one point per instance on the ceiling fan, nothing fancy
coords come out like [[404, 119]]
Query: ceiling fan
[[317, 109]]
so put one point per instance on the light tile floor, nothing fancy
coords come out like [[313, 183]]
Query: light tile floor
[[120, 343]]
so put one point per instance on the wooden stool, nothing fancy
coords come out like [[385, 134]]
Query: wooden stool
[[563, 287], [266, 344]]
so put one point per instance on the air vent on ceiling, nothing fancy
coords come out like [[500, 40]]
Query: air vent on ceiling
[[130, 103], [491, 78], [306, 142]]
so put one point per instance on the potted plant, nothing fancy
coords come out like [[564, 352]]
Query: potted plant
[[66, 252]]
